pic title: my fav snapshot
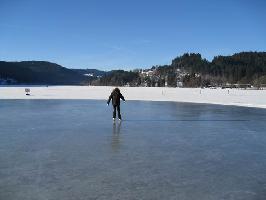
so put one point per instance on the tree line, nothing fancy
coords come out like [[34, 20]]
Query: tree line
[[195, 71], [190, 69]]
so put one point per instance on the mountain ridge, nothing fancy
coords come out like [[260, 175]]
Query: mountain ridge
[[187, 70]]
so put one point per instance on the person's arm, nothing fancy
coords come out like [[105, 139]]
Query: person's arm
[[122, 97], [109, 99]]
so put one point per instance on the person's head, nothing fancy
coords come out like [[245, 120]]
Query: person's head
[[116, 90]]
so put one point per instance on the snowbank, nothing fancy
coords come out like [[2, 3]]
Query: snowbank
[[248, 98]]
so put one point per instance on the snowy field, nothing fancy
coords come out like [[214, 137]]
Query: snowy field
[[248, 98]]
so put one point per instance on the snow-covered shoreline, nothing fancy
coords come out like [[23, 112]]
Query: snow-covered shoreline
[[238, 97]]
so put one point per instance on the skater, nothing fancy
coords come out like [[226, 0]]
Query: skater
[[116, 96]]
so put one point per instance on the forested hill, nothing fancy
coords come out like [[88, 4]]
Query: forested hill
[[39, 72], [244, 67], [119, 78], [191, 70], [188, 70]]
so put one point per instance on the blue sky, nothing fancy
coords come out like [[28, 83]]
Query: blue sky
[[128, 34]]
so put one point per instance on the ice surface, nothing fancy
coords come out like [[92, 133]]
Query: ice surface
[[70, 149]]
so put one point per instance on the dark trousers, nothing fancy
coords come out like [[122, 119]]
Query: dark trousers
[[116, 107]]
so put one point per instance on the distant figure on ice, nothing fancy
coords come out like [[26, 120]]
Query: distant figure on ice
[[116, 96], [27, 90]]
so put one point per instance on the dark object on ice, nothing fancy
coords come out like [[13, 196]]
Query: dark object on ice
[[116, 96], [27, 90]]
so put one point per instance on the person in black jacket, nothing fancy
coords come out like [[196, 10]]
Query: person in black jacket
[[116, 96]]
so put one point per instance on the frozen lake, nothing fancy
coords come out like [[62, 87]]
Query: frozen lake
[[71, 150]]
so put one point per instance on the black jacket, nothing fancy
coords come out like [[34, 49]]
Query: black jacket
[[115, 96]]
